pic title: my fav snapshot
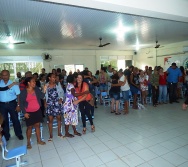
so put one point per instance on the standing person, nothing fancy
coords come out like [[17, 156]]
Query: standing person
[[174, 75], [103, 81], [18, 79], [128, 73], [85, 106], [30, 102], [134, 86], [115, 94], [10, 103], [42, 84], [155, 87], [71, 107], [54, 107], [143, 79], [181, 83], [162, 86]]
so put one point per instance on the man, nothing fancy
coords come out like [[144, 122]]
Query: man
[[9, 103], [128, 72], [174, 75], [18, 79], [43, 71]]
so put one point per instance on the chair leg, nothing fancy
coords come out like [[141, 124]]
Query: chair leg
[[17, 161]]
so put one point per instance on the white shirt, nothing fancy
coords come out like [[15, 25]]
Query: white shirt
[[126, 86]]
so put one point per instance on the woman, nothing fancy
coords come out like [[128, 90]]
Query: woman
[[155, 87], [30, 102], [54, 107], [115, 94], [143, 79], [162, 87], [134, 86], [84, 105], [71, 107]]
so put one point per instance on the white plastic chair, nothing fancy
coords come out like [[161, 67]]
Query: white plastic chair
[[13, 153]]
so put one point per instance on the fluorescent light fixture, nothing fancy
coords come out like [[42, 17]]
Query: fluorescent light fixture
[[121, 30], [11, 46], [137, 44]]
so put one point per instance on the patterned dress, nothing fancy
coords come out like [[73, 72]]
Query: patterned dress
[[143, 82], [53, 106], [70, 110]]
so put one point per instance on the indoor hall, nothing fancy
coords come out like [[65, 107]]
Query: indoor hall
[[73, 35]]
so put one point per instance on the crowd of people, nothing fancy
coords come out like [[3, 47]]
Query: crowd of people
[[57, 95]]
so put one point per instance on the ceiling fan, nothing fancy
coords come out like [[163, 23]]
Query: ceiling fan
[[9, 38], [157, 45], [102, 45], [46, 56]]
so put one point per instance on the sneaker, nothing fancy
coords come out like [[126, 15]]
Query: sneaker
[[93, 117]]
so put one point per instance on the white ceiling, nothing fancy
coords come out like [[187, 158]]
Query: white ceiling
[[45, 25]]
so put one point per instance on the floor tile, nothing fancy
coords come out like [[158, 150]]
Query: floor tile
[[160, 162], [52, 162], [92, 161], [184, 164], [85, 152], [117, 163], [112, 144], [170, 145], [107, 156], [174, 158], [158, 149], [99, 148], [121, 151], [76, 163], [133, 160], [134, 146], [182, 152]]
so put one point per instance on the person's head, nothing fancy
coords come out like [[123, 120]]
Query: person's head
[[42, 77], [161, 70], [71, 79], [30, 82], [135, 70], [35, 75], [146, 68], [54, 71], [58, 70], [141, 73], [86, 68], [43, 70], [28, 74], [70, 72], [80, 78], [89, 73], [114, 72], [51, 78], [19, 74], [97, 72], [173, 65], [103, 70], [57, 78], [85, 73], [5, 75], [182, 69], [120, 72], [109, 68], [150, 68], [131, 68]]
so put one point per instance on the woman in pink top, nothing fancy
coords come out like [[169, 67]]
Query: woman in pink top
[[30, 102]]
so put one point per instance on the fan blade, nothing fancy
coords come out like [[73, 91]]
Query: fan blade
[[105, 44], [17, 43], [157, 46]]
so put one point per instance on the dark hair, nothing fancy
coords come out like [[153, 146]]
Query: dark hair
[[49, 75], [58, 70], [182, 69], [28, 79], [70, 78], [36, 74], [104, 69], [76, 86], [97, 72], [75, 74], [41, 76], [85, 72], [173, 64]]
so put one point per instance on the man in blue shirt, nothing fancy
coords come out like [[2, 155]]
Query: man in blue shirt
[[174, 75], [9, 103]]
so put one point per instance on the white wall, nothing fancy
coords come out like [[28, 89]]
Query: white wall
[[148, 57], [89, 58]]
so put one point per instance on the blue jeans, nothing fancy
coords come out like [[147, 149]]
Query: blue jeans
[[162, 93], [10, 108]]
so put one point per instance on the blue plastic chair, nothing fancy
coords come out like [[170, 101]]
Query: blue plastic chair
[[13, 153]]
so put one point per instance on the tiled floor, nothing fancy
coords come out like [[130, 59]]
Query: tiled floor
[[156, 137]]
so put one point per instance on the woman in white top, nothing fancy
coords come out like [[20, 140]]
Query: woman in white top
[[123, 82], [143, 79]]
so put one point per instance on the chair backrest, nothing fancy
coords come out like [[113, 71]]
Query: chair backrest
[[104, 94]]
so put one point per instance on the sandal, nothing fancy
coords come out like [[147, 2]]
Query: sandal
[[41, 142], [50, 139], [93, 128], [61, 136], [29, 146], [77, 133], [69, 135], [117, 113], [84, 131], [113, 111]]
